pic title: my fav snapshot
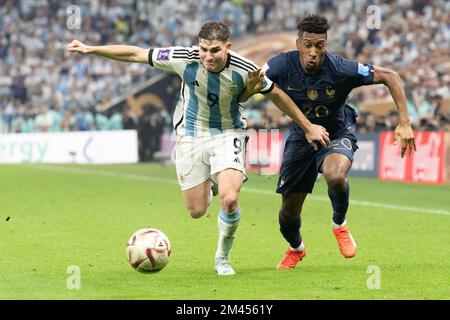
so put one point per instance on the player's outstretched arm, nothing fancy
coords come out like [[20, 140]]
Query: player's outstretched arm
[[314, 133], [116, 52], [392, 80]]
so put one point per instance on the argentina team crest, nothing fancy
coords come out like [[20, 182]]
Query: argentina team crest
[[312, 94], [233, 89]]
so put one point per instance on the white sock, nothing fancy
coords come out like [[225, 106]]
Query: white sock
[[339, 225], [301, 247], [228, 223]]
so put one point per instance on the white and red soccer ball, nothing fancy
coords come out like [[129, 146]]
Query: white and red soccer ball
[[148, 250]]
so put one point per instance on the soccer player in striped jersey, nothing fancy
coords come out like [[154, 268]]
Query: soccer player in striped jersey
[[210, 130]]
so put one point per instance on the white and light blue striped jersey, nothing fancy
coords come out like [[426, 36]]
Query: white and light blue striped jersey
[[208, 101]]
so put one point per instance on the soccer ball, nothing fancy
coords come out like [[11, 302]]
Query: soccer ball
[[148, 250]]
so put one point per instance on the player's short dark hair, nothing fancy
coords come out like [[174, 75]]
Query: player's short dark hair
[[313, 23], [214, 30]]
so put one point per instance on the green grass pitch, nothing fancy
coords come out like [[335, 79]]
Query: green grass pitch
[[54, 217]]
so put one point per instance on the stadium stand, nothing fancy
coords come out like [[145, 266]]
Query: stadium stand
[[44, 88]]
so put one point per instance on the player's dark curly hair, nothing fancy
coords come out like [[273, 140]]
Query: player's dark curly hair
[[214, 30], [313, 23]]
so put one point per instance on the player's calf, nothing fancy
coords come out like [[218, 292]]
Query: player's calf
[[196, 199]]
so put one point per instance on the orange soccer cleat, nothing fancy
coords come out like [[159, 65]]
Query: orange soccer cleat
[[291, 259], [345, 240]]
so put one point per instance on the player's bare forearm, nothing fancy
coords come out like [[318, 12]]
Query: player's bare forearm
[[124, 53], [392, 80], [120, 52], [313, 133], [285, 104]]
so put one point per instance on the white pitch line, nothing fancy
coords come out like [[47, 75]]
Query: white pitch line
[[104, 173], [361, 203]]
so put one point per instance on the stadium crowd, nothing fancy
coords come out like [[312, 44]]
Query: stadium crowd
[[44, 88]]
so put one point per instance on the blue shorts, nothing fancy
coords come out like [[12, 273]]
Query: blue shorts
[[301, 163]]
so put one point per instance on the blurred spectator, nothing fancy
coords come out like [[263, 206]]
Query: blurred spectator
[[102, 122], [115, 121], [254, 118], [361, 122], [428, 124], [44, 120], [371, 122], [393, 120], [68, 122], [441, 112], [157, 122], [144, 134], [85, 120], [167, 127], [18, 88], [129, 120], [3, 124], [57, 118]]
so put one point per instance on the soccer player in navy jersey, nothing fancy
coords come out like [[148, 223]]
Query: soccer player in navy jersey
[[319, 83], [208, 123]]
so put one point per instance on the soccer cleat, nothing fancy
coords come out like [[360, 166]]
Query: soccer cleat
[[223, 267], [345, 240], [214, 188], [213, 191], [291, 258]]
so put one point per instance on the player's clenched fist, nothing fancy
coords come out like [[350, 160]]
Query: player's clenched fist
[[77, 46]]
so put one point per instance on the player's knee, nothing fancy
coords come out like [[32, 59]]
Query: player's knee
[[289, 213], [335, 179], [229, 201], [196, 214], [197, 211]]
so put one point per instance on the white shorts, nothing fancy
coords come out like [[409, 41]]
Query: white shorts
[[198, 159]]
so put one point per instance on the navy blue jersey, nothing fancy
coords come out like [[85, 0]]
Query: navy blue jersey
[[322, 96]]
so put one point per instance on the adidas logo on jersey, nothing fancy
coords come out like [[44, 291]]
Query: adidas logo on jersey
[[237, 160]]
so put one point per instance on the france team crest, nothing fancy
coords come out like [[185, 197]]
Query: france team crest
[[312, 94]]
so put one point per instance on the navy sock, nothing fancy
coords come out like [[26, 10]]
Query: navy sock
[[291, 231], [339, 201]]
